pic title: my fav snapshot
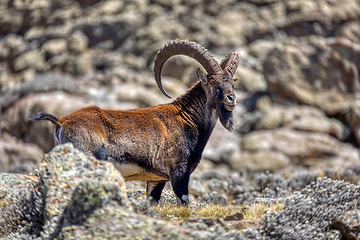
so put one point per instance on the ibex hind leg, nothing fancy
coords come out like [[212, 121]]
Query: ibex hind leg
[[153, 191]]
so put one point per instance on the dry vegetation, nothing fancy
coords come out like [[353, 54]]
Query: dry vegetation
[[250, 212]]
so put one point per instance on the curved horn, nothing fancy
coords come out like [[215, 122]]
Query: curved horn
[[230, 63], [184, 47]]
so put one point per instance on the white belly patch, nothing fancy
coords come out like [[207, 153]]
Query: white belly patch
[[132, 171]]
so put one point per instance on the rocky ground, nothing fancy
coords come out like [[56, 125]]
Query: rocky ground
[[72, 196], [297, 119]]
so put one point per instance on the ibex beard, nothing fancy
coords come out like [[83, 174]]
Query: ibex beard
[[161, 143]]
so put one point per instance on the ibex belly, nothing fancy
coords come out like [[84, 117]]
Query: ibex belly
[[132, 171]]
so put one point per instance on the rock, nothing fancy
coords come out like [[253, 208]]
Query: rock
[[18, 157], [39, 83], [310, 149], [300, 179], [350, 31], [243, 224], [298, 220], [76, 187], [249, 80], [54, 47], [261, 48], [16, 119], [11, 46], [13, 185], [30, 59], [321, 73], [258, 161], [215, 198], [78, 64], [301, 18], [144, 96], [36, 13], [221, 144], [112, 222], [349, 225], [230, 34], [78, 196], [353, 119], [11, 21], [234, 217], [21, 206], [77, 42], [304, 118]]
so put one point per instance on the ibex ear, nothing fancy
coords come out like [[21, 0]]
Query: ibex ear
[[201, 76]]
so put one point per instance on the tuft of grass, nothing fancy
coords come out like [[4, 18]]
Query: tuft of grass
[[170, 212], [258, 210], [218, 211]]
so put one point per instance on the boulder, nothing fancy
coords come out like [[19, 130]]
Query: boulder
[[221, 144], [317, 72], [77, 42], [16, 118], [303, 118], [76, 186], [53, 47], [258, 161], [349, 224], [312, 212], [77, 196], [309, 149], [353, 119], [21, 206], [32, 59], [17, 156]]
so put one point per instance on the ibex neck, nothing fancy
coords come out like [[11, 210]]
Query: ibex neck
[[196, 107]]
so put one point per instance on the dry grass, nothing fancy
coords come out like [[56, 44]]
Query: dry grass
[[170, 212], [258, 210], [251, 212], [218, 211]]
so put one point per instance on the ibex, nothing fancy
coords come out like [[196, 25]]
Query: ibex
[[161, 143]]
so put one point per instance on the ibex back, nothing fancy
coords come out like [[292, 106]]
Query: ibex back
[[161, 143]]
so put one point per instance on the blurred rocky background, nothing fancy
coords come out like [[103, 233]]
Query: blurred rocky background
[[298, 88]]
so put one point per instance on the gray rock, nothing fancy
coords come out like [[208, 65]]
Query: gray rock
[[258, 161], [304, 118], [16, 119], [77, 42], [353, 119], [311, 213], [54, 47], [221, 144], [349, 224], [249, 80], [21, 206], [350, 31], [322, 73], [309, 149], [76, 187], [11, 46], [32, 59], [17, 156]]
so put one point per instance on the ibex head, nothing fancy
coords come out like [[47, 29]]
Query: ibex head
[[218, 83]]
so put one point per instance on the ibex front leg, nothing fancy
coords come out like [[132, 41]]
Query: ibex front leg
[[180, 176]]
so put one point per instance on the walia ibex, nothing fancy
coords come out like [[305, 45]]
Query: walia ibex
[[161, 143]]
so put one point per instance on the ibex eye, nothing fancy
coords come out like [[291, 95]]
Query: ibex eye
[[213, 83]]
